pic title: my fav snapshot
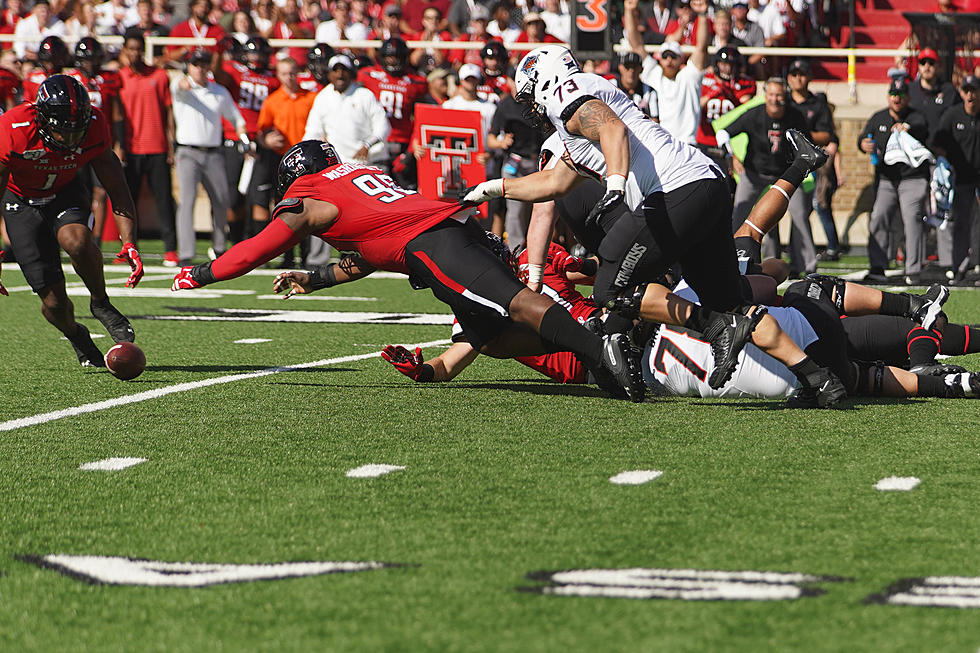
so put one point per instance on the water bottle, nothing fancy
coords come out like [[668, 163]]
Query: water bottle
[[874, 153]]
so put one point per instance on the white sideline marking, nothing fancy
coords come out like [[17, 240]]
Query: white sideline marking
[[636, 477], [897, 484], [321, 298], [111, 464], [252, 341], [43, 418], [302, 316], [372, 471]]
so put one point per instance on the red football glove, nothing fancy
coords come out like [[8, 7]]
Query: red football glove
[[132, 256], [565, 263], [183, 280], [3, 291], [404, 361]]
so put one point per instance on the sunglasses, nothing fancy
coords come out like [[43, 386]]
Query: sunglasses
[[897, 94], [927, 62], [669, 55]]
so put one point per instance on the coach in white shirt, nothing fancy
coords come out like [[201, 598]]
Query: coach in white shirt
[[678, 86], [41, 23], [199, 105], [348, 116]]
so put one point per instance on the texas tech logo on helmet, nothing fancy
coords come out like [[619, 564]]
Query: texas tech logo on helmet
[[451, 147]]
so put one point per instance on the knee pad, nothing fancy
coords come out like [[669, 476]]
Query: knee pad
[[870, 384], [828, 284], [627, 301]]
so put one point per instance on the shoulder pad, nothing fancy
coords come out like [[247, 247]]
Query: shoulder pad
[[288, 205]]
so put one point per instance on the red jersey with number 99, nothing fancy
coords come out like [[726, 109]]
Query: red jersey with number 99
[[251, 90], [35, 170], [376, 218], [398, 96]]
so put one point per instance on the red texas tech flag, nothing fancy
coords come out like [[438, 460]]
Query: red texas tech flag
[[451, 140]]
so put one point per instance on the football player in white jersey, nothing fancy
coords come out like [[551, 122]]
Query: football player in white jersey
[[680, 207]]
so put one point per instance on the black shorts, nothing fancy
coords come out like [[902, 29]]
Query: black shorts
[[262, 187], [879, 338], [830, 348], [33, 230], [234, 160], [454, 260]]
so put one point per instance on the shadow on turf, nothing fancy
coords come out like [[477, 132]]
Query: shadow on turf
[[777, 404], [238, 368]]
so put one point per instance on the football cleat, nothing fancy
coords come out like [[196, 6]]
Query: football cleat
[[937, 369], [964, 385], [114, 322], [814, 156], [925, 308], [826, 393], [88, 354], [621, 368], [728, 334]]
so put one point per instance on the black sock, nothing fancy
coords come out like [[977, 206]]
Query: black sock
[[922, 346], [933, 386], [895, 304], [960, 339], [746, 246], [807, 371], [700, 318], [616, 323], [796, 173], [559, 327]]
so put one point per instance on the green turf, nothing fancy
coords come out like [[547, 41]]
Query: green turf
[[506, 474]]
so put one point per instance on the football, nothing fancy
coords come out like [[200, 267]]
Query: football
[[125, 360]]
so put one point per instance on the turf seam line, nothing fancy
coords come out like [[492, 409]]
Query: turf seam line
[[43, 418]]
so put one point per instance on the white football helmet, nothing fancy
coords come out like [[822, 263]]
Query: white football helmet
[[541, 70]]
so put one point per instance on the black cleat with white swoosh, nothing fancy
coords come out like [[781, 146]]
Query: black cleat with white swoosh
[[728, 334], [825, 392]]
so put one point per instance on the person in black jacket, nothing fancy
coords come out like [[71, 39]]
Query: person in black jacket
[[898, 185], [930, 94], [957, 137]]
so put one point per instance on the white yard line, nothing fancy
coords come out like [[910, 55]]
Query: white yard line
[[43, 418]]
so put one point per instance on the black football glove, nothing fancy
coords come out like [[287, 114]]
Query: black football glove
[[609, 201]]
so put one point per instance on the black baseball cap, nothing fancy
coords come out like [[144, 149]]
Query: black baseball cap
[[799, 65], [970, 82], [199, 56], [630, 59], [898, 87]]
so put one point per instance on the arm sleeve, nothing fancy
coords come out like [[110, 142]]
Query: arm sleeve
[[380, 127], [229, 109], [250, 254], [868, 129], [739, 125]]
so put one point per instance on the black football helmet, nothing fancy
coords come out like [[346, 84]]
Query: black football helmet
[[234, 48], [730, 55], [316, 61], [257, 53], [63, 112], [304, 158], [393, 56], [494, 50], [53, 54], [89, 49]]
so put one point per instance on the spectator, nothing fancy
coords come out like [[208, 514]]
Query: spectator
[[438, 84], [196, 26], [388, 26], [958, 139], [493, 58], [264, 15], [659, 19], [534, 32], [930, 94], [765, 160], [643, 96], [359, 13], [341, 28], [414, 11], [146, 24], [425, 59], [313, 13], [459, 16], [10, 81], [771, 22], [82, 22], [521, 144], [724, 37], [558, 22], [243, 27], [198, 106], [112, 16], [291, 26], [897, 185], [501, 25], [723, 89], [162, 12], [479, 18], [750, 34], [12, 14], [829, 178], [684, 29], [42, 22], [678, 86], [149, 138]]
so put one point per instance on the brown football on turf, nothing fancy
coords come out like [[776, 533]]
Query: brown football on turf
[[125, 360]]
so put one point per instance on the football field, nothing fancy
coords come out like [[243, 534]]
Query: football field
[[271, 484]]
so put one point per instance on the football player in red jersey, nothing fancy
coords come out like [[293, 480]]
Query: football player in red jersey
[[250, 82], [437, 244], [397, 89], [103, 91], [314, 78], [722, 90], [495, 59], [53, 56], [42, 148]]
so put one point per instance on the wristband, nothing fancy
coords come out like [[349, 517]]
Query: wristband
[[535, 273], [327, 279], [589, 267], [616, 182], [202, 274], [426, 373]]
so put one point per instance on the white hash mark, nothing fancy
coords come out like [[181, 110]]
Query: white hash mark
[[111, 464], [636, 477], [897, 484], [371, 471], [252, 341]]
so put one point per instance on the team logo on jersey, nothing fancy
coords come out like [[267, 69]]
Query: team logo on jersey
[[452, 148], [33, 155]]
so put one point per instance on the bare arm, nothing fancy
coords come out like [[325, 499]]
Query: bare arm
[[631, 26], [544, 185], [543, 216], [597, 122], [350, 268], [110, 172], [171, 133], [699, 59], [447, 365]]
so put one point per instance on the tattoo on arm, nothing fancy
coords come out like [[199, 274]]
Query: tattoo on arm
[[590, 117]]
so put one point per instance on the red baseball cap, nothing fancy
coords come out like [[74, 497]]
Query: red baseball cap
[[928, 53]]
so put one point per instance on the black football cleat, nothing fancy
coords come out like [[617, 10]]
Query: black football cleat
[[825, 393], [114, 322], [964, 385], [728, 334], [937, 369], [621, 364], [927, 307], [88, 354], [814, 156]]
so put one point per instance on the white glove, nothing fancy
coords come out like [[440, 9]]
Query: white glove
[[485, 190]]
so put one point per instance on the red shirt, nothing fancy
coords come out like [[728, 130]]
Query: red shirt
[[35, 170], [298, 31], [723, 96], [188, 30], [250, 90], [144, 95], [398, 96], [9, 83], [493, 88], [412, 11], [377, 219], [32, 83]]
